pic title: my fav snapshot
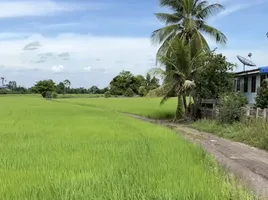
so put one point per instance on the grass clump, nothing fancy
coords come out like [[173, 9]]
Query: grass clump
[[54, 151], [251, 132]]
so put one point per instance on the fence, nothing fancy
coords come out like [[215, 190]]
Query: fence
[[209, 110], [256, 112]]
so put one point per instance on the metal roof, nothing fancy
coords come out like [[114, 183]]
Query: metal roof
[[260, 70]]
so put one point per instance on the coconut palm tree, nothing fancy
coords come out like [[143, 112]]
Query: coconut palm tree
[[178, 75], [188, 20]]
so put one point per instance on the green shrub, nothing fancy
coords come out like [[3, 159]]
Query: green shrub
[[107, 94], [158, 92], [129, 93], [142, 91], [47, 95], [54, 95], [231, 107], [262, 96]]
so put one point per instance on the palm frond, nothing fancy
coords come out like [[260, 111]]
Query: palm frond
[[215, 33], [209, 11], [160, 35], [157, 71], [168, 18], [170, 88]]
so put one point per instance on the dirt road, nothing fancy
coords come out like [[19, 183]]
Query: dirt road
[[248, 163]]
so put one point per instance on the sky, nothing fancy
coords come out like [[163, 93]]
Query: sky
[[91, 41]]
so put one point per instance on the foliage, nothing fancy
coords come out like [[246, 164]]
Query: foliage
[[178, 74], [60, 88], [188, 21], [94, 90], [54, 95], [126, 80], [182, 43], [142, 91], [107, 94], [158, 92], [213, 78], [73, 152], [129, 93], [45, 87], [262, 96], [251, 132], [230, 107]]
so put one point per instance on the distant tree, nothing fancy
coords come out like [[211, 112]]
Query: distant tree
[[129, 93], [60, 88], [107, 94], [102, 91], [94, 90], [151, 82], [124, 81], [262, 96], [45, 87], [12, 85], [67, 84], [142, 91]]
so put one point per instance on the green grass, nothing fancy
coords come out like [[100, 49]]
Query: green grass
[[63, 96], [147, 107], [60, 151], [253, 132]]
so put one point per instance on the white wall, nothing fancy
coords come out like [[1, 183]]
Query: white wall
[[249, 95]]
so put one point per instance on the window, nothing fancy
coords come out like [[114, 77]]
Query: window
[[262, 79], [246, 84], [238, 85], [253, 84]]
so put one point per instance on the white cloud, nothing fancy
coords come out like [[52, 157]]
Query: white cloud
[[108, 55], [20, 8], [88, 69], [57, 68]]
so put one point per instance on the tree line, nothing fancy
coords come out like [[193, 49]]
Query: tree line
[[124, 84]]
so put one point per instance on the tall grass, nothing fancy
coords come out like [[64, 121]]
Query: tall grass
[[252, 132], [51, 150], [147, 107]]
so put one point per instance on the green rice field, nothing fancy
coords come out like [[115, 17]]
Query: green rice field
[[74, 149]]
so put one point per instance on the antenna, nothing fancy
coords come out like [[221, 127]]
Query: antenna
[[245, 61]]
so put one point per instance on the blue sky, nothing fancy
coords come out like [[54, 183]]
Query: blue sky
[[90, 41]]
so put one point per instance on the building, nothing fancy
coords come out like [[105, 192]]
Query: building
[[249, 81]]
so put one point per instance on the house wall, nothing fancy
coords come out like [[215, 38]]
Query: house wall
[[250, 95]]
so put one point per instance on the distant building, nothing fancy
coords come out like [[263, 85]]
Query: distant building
[[249, 81]]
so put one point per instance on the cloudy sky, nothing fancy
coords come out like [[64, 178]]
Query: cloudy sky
[[90, 41]]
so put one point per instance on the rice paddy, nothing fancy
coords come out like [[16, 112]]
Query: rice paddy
[[83, 149]]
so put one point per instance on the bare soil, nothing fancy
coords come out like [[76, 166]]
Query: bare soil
[[247, 163]]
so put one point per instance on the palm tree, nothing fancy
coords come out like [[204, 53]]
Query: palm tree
[[182, 43], [178, 75], [67, 84], [187, 20]]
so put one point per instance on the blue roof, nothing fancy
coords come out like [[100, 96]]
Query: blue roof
[[264, 69]]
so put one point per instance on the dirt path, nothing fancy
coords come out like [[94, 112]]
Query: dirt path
[[248, 163]]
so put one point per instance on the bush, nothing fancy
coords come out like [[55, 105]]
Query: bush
[[129, 93], [158, 92], [231, 107], [47, 95], [107, 94], [142, 91], [54, 95], [262, 96]]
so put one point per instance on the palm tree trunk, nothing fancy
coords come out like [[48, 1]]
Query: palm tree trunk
[[185, 104], [179, 110]]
